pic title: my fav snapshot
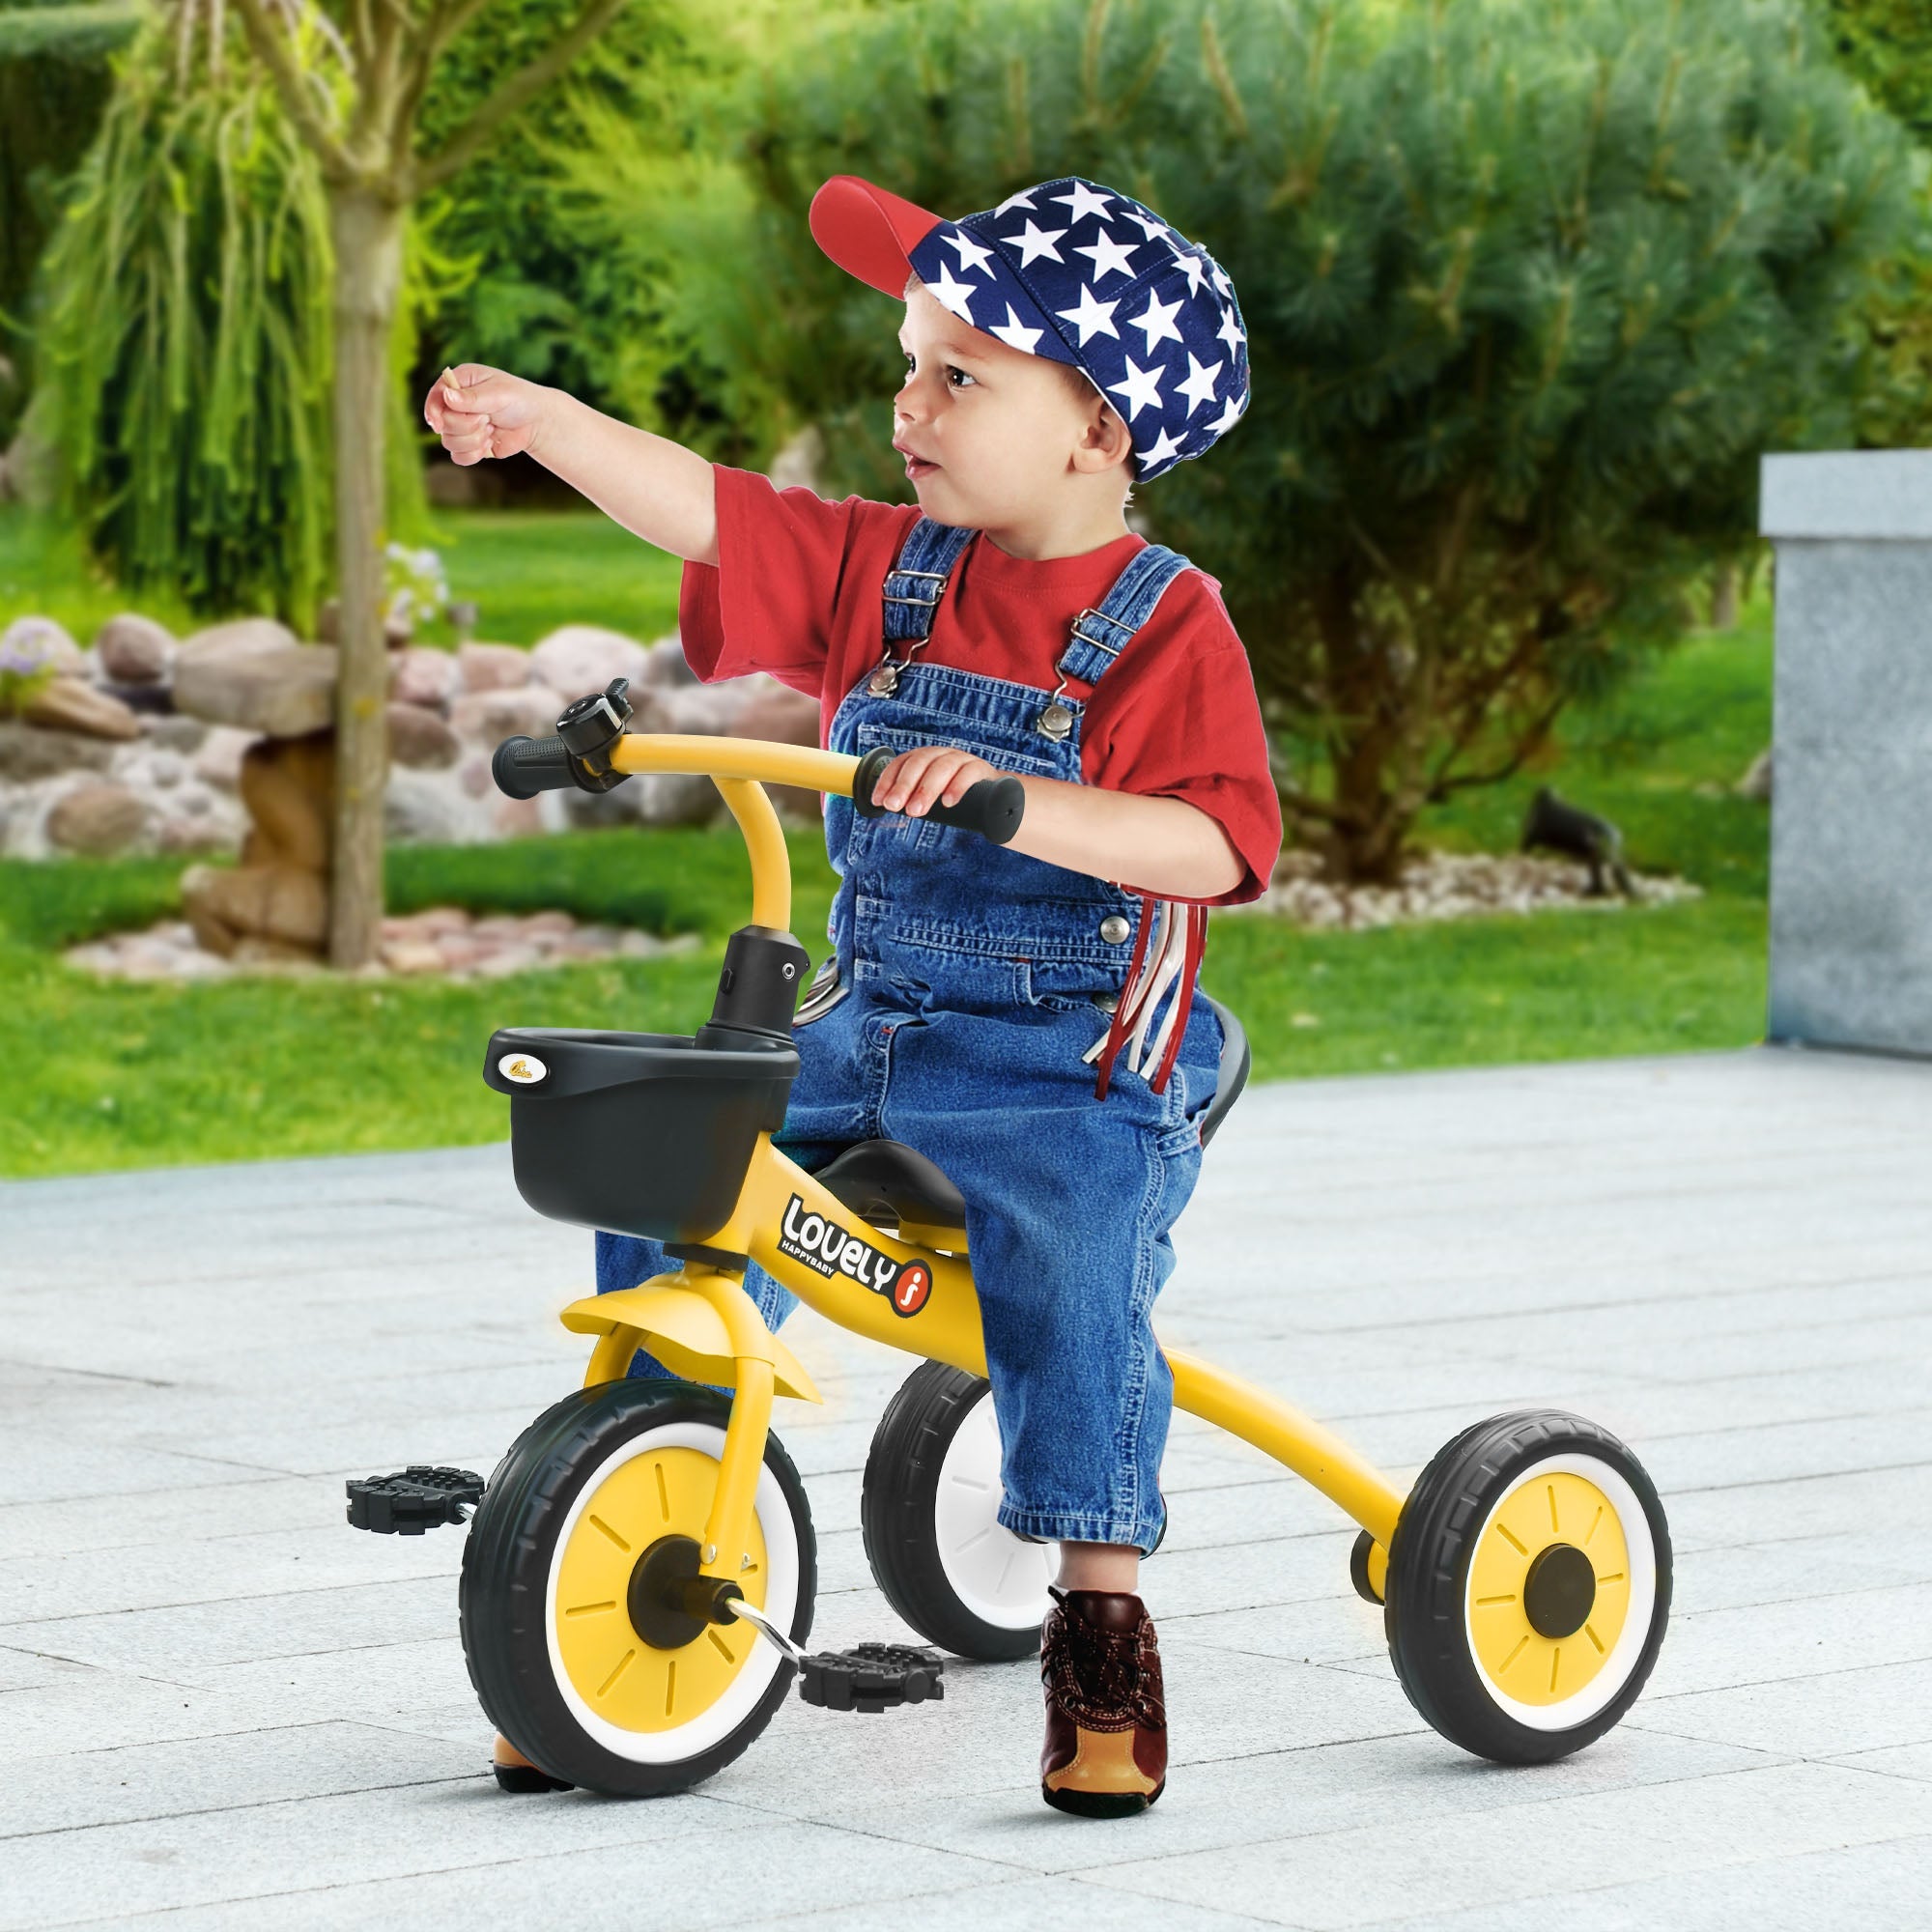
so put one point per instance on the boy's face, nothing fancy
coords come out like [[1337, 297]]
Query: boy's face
[[992, 434]]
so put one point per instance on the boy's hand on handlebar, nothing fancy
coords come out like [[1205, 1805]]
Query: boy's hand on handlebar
[[930, 774], [481, 412]]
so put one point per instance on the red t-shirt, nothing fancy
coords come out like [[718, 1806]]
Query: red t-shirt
[[797, 592]]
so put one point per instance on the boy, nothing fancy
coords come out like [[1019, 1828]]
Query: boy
[[1058, 347]]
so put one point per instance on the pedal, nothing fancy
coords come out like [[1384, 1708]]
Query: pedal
[[413, 1500], [871, 1677]]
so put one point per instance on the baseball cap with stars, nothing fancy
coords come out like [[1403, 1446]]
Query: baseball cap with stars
[[1076, 272]]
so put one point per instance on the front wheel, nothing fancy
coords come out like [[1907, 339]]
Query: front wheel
[[1528, 1586], [568, 1647]]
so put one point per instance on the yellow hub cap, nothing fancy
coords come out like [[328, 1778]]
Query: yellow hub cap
[[1553, 1508], [619, 1675]]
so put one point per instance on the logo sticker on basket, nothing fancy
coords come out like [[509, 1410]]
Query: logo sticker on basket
[[827, 1249], [525, 1068]]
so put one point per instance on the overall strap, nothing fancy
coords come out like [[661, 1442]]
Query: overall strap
[[1102, 632], [917, 582]]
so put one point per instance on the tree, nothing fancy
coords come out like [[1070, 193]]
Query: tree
[[364, 133], [183, 329], [1888, 44], [1529, 289]]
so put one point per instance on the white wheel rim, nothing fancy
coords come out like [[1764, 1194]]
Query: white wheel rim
[[1569, 1711], [999, 1576], [711, 1727]]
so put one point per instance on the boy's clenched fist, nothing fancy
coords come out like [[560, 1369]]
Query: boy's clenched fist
[[481, 412]]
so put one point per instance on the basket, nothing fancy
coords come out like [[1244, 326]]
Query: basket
[[640, 1134]]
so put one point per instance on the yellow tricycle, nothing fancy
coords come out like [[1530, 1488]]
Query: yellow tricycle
[[637, 1583]]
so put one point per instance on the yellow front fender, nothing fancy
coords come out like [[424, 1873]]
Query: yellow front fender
[[687, 1333]]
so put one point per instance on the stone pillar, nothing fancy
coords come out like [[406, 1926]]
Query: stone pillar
[[1851, 830]]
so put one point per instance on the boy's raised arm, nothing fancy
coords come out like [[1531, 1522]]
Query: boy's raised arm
[[656, 487]]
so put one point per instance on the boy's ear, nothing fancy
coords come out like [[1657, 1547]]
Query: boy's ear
[[1104, 440]]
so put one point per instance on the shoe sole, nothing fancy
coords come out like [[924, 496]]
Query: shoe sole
[[525, 1778], [1102, 1803]]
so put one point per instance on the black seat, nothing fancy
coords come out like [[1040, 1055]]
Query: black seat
[[1236, 1060], [888, 1181]]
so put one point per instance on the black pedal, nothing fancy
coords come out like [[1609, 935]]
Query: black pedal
[[413, 1500], [871, 1677]]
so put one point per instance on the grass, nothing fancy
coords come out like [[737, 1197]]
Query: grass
[[527, 571], [107, 1076]]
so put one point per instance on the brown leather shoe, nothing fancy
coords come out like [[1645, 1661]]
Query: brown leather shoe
[[515, 1772], [1106, 1719]]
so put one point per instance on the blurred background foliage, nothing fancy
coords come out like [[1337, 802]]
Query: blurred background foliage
[[1529, 288]]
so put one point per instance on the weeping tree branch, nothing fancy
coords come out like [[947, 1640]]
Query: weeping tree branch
[[274, 48], [513, 94]]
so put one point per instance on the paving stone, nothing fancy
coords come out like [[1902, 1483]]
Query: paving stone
[[1829, 1715], [1868, 1885], [86, 1788], [1535, 1849], [1738, 1284]]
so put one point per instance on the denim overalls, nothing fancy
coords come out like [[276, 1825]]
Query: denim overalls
[[969, 995]]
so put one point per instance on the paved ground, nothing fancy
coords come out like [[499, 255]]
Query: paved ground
[[221, 1707]]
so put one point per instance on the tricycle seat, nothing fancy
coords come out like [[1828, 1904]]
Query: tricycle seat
[[888, 1181]]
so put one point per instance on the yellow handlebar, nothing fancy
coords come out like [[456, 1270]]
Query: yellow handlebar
[[754, 758], [742, 768]]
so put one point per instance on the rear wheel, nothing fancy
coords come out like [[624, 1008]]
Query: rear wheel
[[1528, 1586], [937, 1549], [571, 1649]]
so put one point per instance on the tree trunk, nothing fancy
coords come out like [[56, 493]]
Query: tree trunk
[[1724, 598], [368, 237]]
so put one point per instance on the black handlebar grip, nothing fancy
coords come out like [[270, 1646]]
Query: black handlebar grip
[[993, 808], [523, 767]]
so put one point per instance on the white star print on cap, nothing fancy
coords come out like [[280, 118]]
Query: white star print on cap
[[1079, 274]]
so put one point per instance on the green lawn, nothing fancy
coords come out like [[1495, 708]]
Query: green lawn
[[106, 1076], [527, 571]]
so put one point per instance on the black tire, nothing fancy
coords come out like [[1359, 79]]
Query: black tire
[[900, 1511], [506, 1586], [1429, 1614]]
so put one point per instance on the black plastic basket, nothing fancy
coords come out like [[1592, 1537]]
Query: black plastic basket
[[643, 1133]]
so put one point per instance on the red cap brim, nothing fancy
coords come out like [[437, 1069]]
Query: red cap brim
[[868, 232]]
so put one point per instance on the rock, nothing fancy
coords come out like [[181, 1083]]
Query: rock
[[286, 691], [96, 818], [713, 710], [228, 905], [154, 700], [420, 738], [432, 809], [518, 817], [492, 667], [71, 705], [288, 787], [186, 735], [424, 678], [40, 640], [665, 667], [244, 635], [529, 711], [413, 956], [277, 955], [777, 712], [31, 752], [135, 649], [1756, 781], [582, 658], [218, 760]]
